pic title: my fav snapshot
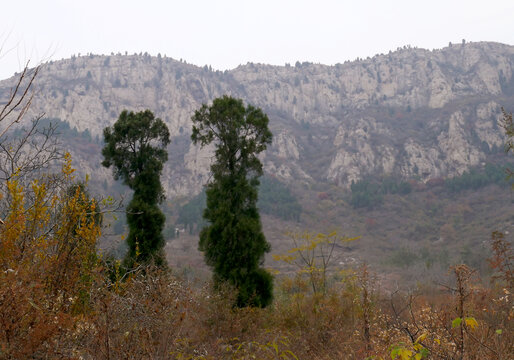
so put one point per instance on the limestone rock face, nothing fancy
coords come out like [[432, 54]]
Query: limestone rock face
[[286, 146], [454, 145], [409, 113], [486, 126]]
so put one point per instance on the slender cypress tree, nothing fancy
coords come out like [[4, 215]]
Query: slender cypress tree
[[233, 243], [135, 147]]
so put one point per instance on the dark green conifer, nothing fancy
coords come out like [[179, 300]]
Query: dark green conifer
[[135, 147], [233, 242]]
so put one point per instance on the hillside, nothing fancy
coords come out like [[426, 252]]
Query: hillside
[[413, 114]]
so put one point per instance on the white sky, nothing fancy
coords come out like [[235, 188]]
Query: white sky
[[227, 33]]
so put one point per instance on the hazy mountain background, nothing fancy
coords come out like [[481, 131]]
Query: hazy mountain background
[[416, 131]]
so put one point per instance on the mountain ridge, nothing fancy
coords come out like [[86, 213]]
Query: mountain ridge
[[413, 113]]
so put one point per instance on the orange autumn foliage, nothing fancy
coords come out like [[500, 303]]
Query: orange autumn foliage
[[47, 263]]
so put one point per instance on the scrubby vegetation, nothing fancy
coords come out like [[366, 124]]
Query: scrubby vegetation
[[477, 178], [370, 193], [275, 199], [191, 214], [62, 299]]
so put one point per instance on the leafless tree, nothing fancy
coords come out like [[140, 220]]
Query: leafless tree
[[26, 147]]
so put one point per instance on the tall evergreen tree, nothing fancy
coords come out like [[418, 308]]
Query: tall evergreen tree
[[233, 242], [135, 147]]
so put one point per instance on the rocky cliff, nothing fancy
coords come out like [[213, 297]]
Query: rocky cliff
[[410, 113]]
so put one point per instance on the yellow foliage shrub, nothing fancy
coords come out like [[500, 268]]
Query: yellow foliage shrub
[[47, 262]]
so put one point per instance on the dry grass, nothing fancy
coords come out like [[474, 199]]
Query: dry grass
[[157, 316], [57, 301]]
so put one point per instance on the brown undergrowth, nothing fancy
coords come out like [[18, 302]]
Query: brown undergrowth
[[156, 316], [59, 300]]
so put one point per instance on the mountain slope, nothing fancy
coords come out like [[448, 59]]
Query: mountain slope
[[412, 112]]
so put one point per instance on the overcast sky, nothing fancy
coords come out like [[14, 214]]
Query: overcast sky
[[227, 33]]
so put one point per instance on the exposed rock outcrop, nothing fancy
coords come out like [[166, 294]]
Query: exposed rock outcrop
[[412, 112]]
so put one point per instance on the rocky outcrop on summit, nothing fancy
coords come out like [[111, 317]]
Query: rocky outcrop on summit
[[411, 112]]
